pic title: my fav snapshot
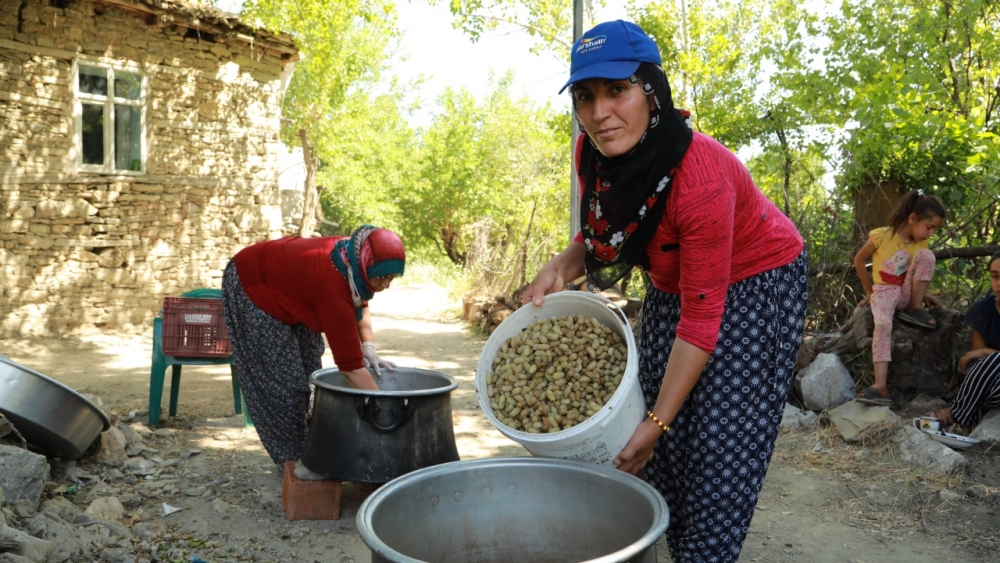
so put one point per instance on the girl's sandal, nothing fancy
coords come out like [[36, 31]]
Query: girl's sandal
[[918, 317], [873, 397]]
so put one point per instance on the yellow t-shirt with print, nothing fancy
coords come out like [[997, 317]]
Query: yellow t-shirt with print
[[892, 256]]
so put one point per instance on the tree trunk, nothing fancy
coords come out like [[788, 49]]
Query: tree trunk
[[923, 360], [873, 203], [309, 202]]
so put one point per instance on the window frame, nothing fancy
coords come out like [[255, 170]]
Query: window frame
[[108, 102]]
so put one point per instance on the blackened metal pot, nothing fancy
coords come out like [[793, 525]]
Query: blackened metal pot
[[376, 436]]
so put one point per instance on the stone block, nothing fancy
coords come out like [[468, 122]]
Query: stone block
[[111, 276], [22, 474], [82, 255], [824, 383], [62, 507], [107, 508], [29, 549], [132, 437], [67, 545], [14, 226], [856, 421], [793, 417], [110, 258], [111, 449], [220, 50], [24, 210], [151, 530], [988, 429], [919, 449]]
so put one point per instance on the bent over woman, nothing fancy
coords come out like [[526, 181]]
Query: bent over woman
[[279, 298], [722, 322]]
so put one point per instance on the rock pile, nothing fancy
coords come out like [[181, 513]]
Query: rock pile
[[825, 388], [115, 504]]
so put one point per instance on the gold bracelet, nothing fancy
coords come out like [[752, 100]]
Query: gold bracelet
[[658, 422]]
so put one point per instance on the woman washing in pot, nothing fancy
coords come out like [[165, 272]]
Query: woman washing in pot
[[722, 324], [279, 298]]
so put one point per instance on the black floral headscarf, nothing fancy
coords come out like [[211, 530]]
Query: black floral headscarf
[[624, 197]]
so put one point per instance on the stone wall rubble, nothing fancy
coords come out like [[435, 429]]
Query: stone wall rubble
[[83, 249]]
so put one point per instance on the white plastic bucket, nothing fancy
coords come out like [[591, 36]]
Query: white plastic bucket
[[605, 434]]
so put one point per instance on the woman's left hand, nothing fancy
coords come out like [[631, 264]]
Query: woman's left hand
[[372, 361], [639, 449], [932, 301]]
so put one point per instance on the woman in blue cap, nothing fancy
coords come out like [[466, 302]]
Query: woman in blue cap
[[722, 322], [280, 297]]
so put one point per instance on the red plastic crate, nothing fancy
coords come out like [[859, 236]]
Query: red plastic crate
[[194, 327]]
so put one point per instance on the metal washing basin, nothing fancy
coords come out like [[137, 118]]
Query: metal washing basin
[[50, 415]]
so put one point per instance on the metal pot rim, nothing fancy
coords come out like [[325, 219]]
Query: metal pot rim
[[661, 513], [451, 386], [76, 394]]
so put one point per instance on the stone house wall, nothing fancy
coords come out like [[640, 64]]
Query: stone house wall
[[82, 249]]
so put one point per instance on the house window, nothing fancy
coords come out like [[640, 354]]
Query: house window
[[109, 118]]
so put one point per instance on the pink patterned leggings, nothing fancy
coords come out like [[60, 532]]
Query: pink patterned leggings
[[887, 299]]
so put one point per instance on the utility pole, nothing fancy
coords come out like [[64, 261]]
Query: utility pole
[[574, 188]]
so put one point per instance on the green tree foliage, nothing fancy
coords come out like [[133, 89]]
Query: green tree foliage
[[549, 21], [915, 87], [357, 137], [345, 46], [888, 96], [921, 81], [721, 57], [491, 184], [369, 161]]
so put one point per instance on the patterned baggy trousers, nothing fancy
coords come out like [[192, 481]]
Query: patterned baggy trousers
[[710, 466]]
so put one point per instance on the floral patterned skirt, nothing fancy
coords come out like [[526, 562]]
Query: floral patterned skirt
[[273, 361]]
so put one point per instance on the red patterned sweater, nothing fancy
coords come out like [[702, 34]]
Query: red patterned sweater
[[293, 280], [718, 229]]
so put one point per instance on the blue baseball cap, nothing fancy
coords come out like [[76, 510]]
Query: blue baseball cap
[[611, 50]]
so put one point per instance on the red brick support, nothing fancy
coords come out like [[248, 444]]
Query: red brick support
[[309, 500]]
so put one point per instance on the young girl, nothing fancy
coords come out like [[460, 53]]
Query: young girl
[[902, 268]]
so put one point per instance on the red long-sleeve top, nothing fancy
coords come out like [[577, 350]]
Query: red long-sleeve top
[[293, 280], [718, 229]]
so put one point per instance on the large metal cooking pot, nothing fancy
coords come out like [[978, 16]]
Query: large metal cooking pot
[[50, 415], [502, 510], [376, 436]]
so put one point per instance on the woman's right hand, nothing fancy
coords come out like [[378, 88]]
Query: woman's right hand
[[567, 265], [546, 281], [361, 378]]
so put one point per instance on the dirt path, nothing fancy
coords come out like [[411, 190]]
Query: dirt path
[[805, 513]]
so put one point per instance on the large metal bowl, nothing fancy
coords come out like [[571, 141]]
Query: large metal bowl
[[53, 417], [500, 510]]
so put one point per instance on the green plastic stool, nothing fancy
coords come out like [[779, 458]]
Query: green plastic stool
[[160, 362]]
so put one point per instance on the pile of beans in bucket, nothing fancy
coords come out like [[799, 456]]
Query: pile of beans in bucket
[[555, 374]]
